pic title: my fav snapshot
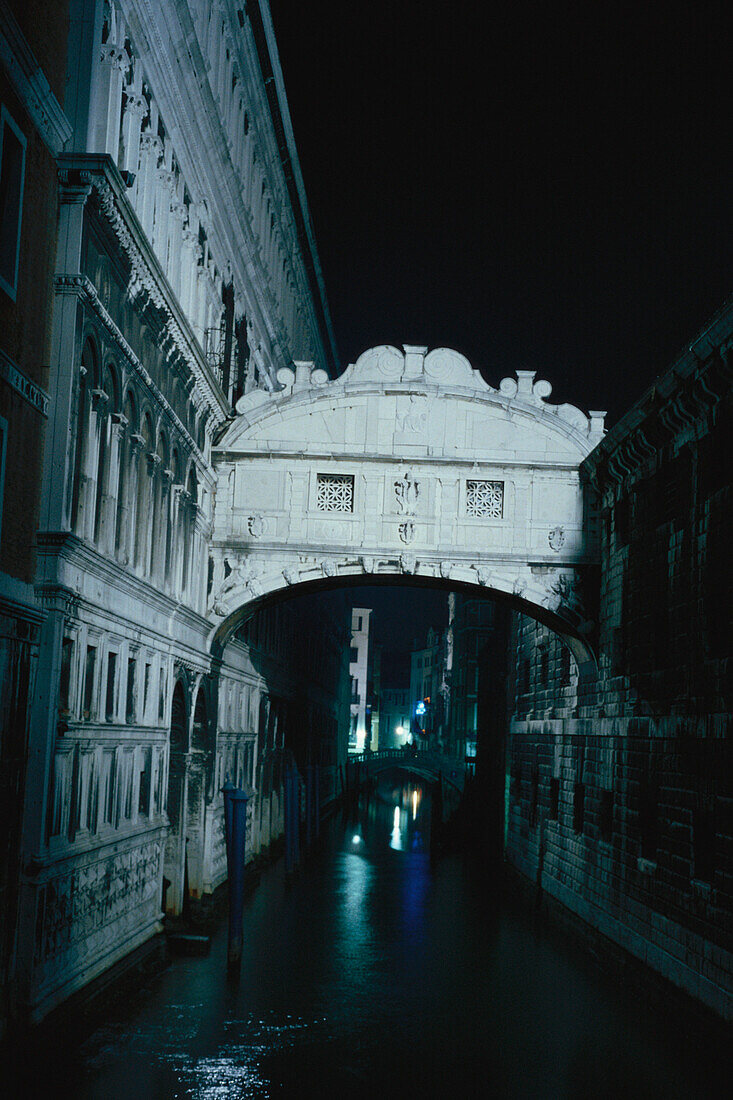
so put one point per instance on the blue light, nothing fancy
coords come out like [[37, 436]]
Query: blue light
[[420, 708]]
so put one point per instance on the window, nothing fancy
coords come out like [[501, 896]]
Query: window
[[143, 804], [544, 666], [354, 657], [554, 798], [485, 498], [109, 705], [605, 815], [564, 666], [12, 172], [110, 772], [131, 692], [146, 690], [161, 696], [578, 807], [534, 796], [90, 666], [67, 650], [335, 492]]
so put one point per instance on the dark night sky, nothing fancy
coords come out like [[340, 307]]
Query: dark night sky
[[547, 188]]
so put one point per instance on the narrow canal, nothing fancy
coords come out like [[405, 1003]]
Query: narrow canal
[[371, 972]]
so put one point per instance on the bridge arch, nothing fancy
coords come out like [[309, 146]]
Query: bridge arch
[[409, 467]]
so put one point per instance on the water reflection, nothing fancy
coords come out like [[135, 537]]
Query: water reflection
[[371, 971], [396, 834]]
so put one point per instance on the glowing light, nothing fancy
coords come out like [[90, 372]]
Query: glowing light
[[420, 708], [400, 731], [396, 822], [414, 805], [356, 839]]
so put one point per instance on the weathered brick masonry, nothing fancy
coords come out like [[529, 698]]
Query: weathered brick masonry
[[621, 778]]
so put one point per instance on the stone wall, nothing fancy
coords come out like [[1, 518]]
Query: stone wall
[[621, 777]]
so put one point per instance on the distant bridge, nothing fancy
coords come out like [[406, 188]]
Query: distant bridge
[[428, 765]]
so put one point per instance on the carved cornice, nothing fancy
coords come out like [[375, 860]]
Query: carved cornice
[[147, 275], [83, 287], [682, 401]]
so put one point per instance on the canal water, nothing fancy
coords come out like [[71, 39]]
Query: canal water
[[374, 972]]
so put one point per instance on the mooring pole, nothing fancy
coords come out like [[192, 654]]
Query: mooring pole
[[317, 799], [235, 830], [309, 805], [296, 816], [288, 814]]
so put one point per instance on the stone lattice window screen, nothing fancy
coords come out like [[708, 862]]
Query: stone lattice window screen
[[485, 498], [335, 493]]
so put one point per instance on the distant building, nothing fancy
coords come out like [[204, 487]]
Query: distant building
[[428, 689], [359, 672], [394, 717], [472, 625]]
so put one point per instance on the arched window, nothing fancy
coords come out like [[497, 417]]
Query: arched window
[[173, 523], [160, 509], [79, 489], [106, 405], [188, 530], [126, 487], [144, 495]]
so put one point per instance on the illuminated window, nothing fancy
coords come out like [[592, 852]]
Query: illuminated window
[[485, 498], [335, 492]]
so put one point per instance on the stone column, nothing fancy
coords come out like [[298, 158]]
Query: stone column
[[164, 193], [175, 274], [190, 252], [151, 148], [135, 110], [108, 99]]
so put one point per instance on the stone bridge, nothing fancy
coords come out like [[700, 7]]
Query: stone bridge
[[430, 766], [409, 466]]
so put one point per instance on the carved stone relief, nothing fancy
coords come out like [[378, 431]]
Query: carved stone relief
[[407, 531], [407, 491]]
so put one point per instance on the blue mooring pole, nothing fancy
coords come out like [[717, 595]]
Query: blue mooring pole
[[235, 831]]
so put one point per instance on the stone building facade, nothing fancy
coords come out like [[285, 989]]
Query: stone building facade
[[33, 130], [185, 276], [621, 778]]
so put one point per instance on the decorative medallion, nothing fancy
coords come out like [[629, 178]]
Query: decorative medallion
[[407, 531], [556, 538]]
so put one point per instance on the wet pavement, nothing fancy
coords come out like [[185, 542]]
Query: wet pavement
[[372, 973]]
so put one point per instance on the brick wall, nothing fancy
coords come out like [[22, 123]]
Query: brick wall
[[621, 777]]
